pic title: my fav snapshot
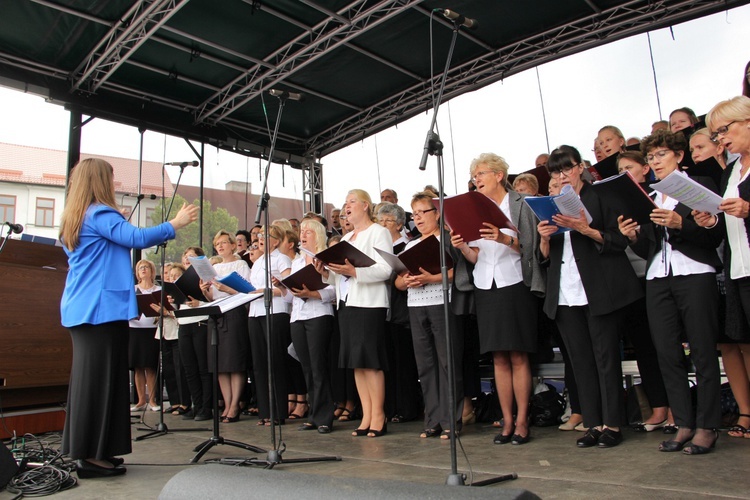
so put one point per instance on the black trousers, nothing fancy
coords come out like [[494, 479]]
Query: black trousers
[[279, 340], [687, 307], [342, 379], [430, 347], [193, 342], [312, 340], [174, 374], [97, 421], [636, 328], [402, 397], [593, 344]]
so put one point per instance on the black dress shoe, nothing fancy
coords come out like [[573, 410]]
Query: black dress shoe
[[696, 449], [87, 470], [591, 438], [518, 439], [188, 415], [324, 429], [609, 438], [202, 416], [115, 461], [503, 439]]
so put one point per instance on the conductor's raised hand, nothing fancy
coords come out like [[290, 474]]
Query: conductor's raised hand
[[345, 269], [186, 215]]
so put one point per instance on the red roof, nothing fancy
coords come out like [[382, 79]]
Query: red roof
[[33, 165]]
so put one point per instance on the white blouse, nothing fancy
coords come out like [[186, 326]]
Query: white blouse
[[279, 263], [739, 267], [668, 257], [304, 309], [496, 261]]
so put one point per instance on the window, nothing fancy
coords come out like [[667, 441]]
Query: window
[[45, 212], [7, 208]]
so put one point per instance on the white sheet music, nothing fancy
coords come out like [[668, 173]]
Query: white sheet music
[[688, 192], [203, 267]]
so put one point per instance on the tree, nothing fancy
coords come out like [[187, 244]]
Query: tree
[[213, 222]]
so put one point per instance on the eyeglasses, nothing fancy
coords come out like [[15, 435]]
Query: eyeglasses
[[563, 171], [418, 214], [722, 131], [658, 154], [478, 174], [221, 243], [387, 221], [144, 268]]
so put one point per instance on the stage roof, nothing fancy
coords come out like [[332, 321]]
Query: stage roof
[[202, 69]]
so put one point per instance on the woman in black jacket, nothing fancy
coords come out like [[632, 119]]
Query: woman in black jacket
[[591, 254], [682, 298]]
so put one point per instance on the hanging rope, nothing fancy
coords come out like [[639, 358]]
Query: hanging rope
[[653, 70], [377, 162], [247, 186], [541, 99], [453, 149]]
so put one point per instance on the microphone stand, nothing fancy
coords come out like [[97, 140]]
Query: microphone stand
[[274, 455], [434, 146], [161, 428], [5, 240], [135, 207]]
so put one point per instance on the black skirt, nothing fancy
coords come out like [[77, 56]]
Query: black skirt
[[507, 318], [233, 341], [97, 421], [362, 337], [143, 348]]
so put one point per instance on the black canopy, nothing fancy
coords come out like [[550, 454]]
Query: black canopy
[[202, 69]]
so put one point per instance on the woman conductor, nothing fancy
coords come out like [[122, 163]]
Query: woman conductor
[[97, 303]]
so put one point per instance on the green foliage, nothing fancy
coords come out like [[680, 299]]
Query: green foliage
[[213, 222]]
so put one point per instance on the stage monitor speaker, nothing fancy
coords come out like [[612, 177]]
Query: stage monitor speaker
[[222, 481], [8, 466]]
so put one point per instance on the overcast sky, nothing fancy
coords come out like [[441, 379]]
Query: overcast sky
[[697, 64]]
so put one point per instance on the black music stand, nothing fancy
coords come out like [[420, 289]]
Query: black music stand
[[214, 310]]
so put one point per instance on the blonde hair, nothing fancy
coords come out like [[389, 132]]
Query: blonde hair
[[320, 233], [614, 130], [529, 179], [232, 239], [734, 109], [494, 162], [362, 196], [283, 224], [91, 181], [150, 265]]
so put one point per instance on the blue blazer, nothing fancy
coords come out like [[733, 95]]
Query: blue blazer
[[99, 287]]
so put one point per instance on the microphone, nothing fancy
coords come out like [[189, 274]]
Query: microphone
[[15, 228], [183, 164], [283, 94], [141, 196], [457, 18]]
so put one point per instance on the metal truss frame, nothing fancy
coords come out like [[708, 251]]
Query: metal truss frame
[[599, 28]]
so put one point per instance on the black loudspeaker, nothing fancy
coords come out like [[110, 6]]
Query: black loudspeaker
[[8, 466], [221, 481]]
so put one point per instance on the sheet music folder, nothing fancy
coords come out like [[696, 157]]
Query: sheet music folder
[[306, 276], [218, 306], [425, 254], [626, 197], [146, 299], [466, 213], [345, 251]]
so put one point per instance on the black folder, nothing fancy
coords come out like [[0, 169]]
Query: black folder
[[146, 299], [189, 285], [306, 276], [344, 251], [626, 197]]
